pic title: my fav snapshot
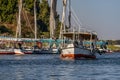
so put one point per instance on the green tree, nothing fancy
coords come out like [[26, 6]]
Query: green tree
[[8, 9], [43, 18], [9, 15], [43, 13], [29, 5]]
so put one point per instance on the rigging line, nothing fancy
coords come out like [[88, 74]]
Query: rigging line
[[76, 16], [80, 24], [75, 20], [69, 18], [28, 22], [35, 18], [17, 29]]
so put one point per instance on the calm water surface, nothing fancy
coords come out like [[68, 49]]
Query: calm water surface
[[51, 67]]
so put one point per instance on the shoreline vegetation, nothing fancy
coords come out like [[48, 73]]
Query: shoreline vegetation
[[114, 45], [114, 48], [9, 18]]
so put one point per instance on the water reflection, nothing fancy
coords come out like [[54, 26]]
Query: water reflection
[[51, 67], [18, 57], [18, 74]]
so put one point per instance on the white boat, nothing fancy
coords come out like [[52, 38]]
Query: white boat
[[74, 50], [18, 52], [76, 53], [75, 47]]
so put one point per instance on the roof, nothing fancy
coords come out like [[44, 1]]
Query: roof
[[83, 35]]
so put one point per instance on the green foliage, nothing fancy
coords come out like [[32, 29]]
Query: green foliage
[[58, 24], [113, 48], [43, 13], [8, 9], [43, 16], [29, 5], [112, 43], [9, 13]]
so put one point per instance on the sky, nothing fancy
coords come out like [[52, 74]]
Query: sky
[[102, 16]]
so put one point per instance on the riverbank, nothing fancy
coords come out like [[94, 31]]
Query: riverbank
[[114, 48]]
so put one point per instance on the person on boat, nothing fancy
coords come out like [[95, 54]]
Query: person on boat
[[94, 48], [75, 43], [38, 45], [53, 42], [57, 42], [93, 44], [81, 44], [20, 45], [106, 43], [103, 44]]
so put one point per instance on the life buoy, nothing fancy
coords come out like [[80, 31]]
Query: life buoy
[[39, 44]]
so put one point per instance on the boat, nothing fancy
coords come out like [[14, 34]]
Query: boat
[[47, 46], [75, 49], [73, 45], [6, 51], [10, 45], [19, 40], [18, 52]]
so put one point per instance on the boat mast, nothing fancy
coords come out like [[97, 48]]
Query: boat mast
[[52, 17], [69, 13], [63, 18], [35, 20], [18, 31]]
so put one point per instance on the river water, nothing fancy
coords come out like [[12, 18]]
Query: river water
[[51, 67]]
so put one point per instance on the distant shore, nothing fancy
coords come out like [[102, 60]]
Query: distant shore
[[114, 48]]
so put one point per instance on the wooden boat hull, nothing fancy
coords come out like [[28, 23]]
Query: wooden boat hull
[[77, 56], [6, 53], [76, 53]]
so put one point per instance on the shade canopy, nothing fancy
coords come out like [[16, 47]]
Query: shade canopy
[[80, 35]]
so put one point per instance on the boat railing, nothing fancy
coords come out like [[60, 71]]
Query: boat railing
[[82, 30]]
